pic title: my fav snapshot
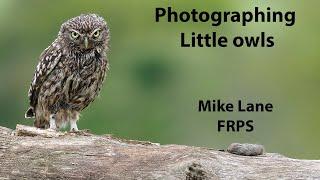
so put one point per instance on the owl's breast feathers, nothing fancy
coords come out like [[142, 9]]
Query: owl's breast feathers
[[84, 81], [65, 81]]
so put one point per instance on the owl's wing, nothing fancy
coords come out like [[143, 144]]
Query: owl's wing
[[48, 60]]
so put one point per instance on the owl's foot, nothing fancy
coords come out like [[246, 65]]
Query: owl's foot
[[52, 122], [73, 126]]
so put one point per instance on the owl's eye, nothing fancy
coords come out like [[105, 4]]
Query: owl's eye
[[74, 35], [96, 33]]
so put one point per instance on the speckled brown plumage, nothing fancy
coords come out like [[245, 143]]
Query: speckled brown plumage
[[70, 73]]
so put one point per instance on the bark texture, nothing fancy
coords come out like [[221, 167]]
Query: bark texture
[[30, 153]]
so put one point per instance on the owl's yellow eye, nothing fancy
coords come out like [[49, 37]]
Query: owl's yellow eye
[[96, 33], [74, 35]]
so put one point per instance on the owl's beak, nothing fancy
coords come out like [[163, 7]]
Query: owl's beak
[[86, 43]]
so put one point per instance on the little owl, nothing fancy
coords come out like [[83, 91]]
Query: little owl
[[70, 73]]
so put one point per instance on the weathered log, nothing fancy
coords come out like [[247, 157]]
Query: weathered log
[[30, 153]]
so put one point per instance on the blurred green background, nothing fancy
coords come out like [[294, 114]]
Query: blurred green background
[[153, 87]]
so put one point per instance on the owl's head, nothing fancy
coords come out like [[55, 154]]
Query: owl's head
[[85, 33]]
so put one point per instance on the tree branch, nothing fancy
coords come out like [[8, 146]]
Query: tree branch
[[33, 153]]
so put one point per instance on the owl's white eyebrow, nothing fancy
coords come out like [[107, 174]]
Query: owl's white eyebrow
[[75, 31], [98, 29]]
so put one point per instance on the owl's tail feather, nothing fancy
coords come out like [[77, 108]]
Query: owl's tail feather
[[29, 113]]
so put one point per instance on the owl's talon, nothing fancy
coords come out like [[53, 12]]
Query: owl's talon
[[73, 126], [74, 130]]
